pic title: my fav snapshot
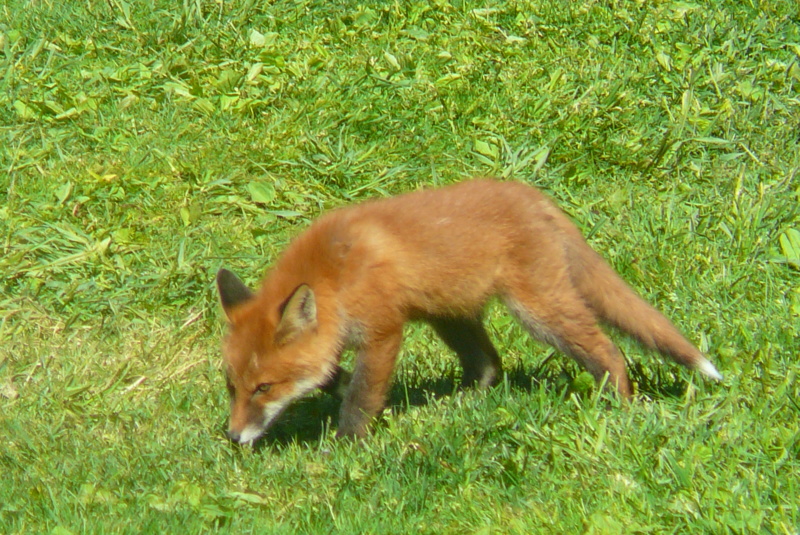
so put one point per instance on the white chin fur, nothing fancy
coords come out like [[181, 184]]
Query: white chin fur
[[271, 411], [250, 434], [706, 368]]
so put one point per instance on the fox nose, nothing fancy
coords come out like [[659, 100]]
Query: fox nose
[[234, 436]]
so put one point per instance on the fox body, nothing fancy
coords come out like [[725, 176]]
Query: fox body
[[359, 273]]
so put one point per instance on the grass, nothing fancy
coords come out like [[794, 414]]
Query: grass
[[145, 145]]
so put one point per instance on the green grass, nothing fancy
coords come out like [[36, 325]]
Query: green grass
[[143, 145]]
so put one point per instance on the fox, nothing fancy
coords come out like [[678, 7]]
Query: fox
[[359, 273]]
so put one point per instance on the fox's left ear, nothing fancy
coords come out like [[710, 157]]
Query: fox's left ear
[[299, 314], [232, 291]]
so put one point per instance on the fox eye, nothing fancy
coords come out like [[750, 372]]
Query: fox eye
[[230, 387], [263, 388]]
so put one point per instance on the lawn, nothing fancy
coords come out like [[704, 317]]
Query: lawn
[[144, 145]]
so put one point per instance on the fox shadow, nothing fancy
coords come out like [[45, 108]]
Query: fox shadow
[[307, 421]]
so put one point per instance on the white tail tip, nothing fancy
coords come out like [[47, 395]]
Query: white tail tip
[[706, 368]]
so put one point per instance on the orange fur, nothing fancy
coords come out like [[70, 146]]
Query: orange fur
[[358, 274]]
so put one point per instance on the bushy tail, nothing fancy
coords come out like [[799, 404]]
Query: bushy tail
[[616, 303]]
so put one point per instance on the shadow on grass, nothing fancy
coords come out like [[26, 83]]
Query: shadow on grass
[[307, 421]]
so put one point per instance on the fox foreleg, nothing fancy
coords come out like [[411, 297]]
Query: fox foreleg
[[366, 394]]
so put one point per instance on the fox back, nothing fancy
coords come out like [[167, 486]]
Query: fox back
[[358, 274]]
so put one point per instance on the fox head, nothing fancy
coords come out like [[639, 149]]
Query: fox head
[[271, 354]]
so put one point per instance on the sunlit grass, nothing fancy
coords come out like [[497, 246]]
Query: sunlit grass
[[145, 145]]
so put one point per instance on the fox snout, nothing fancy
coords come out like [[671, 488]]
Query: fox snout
[[247, 423], [236, 436], [248, 435]]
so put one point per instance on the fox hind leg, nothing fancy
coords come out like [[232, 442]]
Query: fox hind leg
[[561, 318], [469, 340]]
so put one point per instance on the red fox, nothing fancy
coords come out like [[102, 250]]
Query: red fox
[[359, 273]]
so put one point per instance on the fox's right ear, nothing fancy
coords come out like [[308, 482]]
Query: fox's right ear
[[232, 291]]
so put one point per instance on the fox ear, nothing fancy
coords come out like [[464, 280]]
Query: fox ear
[[299, 314], [232, 291]]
